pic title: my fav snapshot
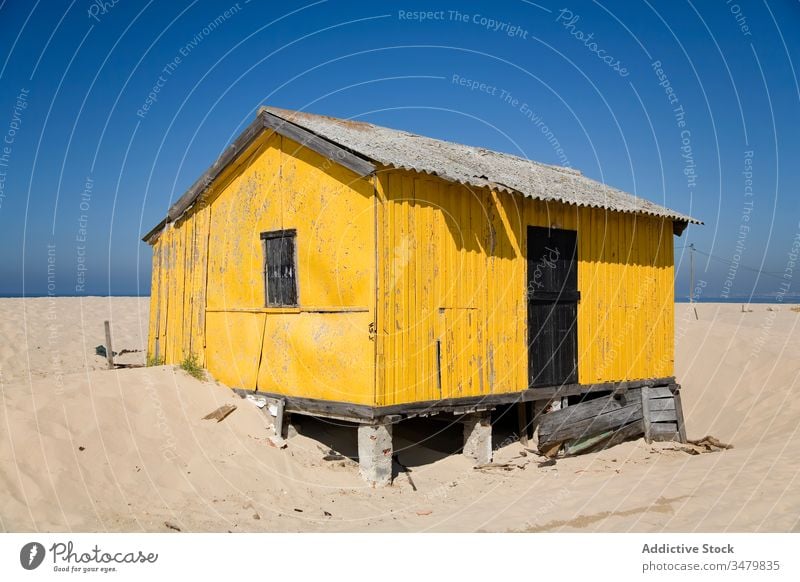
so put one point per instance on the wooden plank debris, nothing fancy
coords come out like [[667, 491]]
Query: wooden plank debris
[[707, 444], [590, 418], [585, 410], [550, 450], [605, 440], [220, 413], [503, 466], [625, 433], [710, 443], [652, 411]]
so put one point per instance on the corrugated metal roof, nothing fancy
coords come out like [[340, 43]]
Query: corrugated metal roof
[[473, 166]]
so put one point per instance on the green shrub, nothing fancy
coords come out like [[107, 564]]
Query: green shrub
[[155, 361], [192, 367]]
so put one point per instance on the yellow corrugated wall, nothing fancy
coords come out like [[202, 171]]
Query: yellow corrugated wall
[[208, 288], [453, 276], [155, 303], [451, 273]]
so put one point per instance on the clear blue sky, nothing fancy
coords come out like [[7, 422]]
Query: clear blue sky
[[81, 143]]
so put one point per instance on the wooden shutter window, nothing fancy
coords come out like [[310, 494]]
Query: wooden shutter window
[[280, 267]]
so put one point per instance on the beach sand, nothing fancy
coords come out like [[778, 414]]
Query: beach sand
[[84, 448]]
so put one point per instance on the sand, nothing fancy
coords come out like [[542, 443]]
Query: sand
[[86, 449]]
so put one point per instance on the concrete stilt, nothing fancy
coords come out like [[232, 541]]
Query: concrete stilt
[[478, 437], [289, 426], [375, 453]]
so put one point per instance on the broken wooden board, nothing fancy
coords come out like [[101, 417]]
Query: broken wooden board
[[663, 416], [220, 413], [605, 440], [665, 431], [651, 410], [551, 449], [588, 419]]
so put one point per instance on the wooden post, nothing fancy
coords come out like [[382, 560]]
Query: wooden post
[[529, 413], [280, 418], [691, 284], [109, 349], [691, 276], [646, 413], [522, 422], [679, 414], [536, 414]]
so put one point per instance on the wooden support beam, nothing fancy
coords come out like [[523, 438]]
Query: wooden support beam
[[679, 416], [280, 417], [264, 120], [350, 412], [646, 414], [322, 146], [530, 426], [522, 422], [537, 410], [109, 349]]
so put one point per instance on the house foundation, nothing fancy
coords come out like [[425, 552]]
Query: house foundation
[[375, 453], [478, 437], [616, 412]]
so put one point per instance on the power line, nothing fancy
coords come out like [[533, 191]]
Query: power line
[[739, 265]]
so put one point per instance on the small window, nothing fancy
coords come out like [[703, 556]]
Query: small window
[[280, 267]]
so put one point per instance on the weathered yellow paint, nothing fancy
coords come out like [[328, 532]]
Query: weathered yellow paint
[[319, 355], [396, 273], [233, 346], [208, 286], [453, 271], [155, 302]]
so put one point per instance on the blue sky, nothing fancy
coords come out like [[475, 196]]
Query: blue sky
[[85, 169]]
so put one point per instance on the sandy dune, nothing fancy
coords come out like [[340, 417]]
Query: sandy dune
[[53, 336], [84, 448]]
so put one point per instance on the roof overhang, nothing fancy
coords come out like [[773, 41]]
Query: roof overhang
[[357, 161], [678, 226], [264, 121]]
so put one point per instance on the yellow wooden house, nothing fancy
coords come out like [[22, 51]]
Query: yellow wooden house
[[362, 272]]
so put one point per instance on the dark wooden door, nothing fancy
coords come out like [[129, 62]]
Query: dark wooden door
[[552, 306]]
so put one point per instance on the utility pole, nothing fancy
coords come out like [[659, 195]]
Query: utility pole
[[691, 277]]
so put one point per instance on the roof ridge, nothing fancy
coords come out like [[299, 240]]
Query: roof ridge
[[473, 165], [359, 145], [278, 110]]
